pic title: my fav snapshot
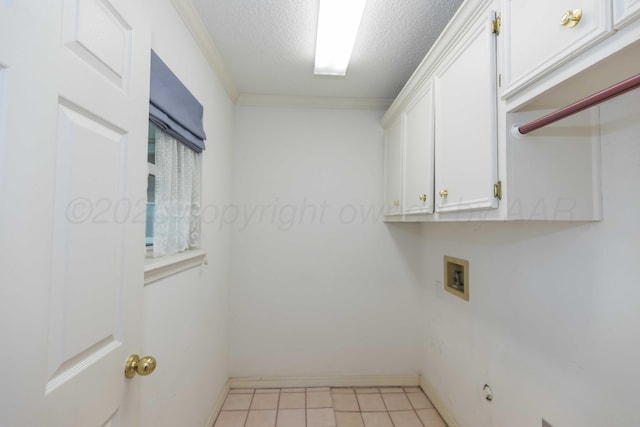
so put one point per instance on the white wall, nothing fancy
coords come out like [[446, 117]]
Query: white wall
[[315, 291], [553, 320], [186, 315]]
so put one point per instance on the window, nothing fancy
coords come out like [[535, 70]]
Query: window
[[151, 186], [173, 195], [175, 143]]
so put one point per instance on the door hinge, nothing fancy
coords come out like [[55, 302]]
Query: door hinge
[[497, 190], [495, 25]]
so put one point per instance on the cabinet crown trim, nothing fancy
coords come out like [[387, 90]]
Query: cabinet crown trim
[[456, 29]]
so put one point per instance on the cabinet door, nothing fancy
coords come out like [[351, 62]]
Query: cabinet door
[[466, 122], [536, 42], [417, 193], [625, 11], [393, 168]]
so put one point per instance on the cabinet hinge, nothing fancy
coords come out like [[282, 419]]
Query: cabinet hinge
[[497, 190], [495, 25]]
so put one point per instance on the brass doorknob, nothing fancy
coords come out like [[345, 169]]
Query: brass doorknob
[[444, 193], [423, 197], [571, 18], [135, 365]]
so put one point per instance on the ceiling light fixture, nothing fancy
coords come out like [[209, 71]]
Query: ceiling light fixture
[[338, 24]]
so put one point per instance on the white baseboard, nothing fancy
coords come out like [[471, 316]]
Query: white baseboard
[[352, 381], [437, 403], [219, 403]]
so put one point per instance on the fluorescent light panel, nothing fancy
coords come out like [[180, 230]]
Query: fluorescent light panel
[[338, 24]]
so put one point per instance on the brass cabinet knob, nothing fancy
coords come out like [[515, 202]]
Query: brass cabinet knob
[[142, 367], [444, 193], [423, 197], [396, 203], [571, 18]]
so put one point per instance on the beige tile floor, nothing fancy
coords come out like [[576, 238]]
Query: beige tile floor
[[329, 407]]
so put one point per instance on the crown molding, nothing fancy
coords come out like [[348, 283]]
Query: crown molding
[[313, 102], [193, 22]]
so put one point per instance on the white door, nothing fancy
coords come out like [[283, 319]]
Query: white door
[[466, 138], [74, 81], [417, 186], [536, 42]]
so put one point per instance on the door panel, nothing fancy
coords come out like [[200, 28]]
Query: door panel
[[87, 248], [86, 395], [97, 33]]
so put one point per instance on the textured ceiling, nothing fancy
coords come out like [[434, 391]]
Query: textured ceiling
[[268, 46]]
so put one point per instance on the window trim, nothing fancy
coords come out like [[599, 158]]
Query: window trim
[[159, 268]]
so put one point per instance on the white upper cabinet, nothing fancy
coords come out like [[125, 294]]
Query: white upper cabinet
[[450, 150], [466, 121], [625, 11], [539, 36], [417, 193], [393, 168]]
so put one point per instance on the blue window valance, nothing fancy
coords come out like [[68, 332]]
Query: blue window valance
[[173, 108]]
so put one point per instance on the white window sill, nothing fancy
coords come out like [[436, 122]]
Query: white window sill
[[159, 268]]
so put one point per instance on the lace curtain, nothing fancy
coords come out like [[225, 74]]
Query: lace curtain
[[177, 193]]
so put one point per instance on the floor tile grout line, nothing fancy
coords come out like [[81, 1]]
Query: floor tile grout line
[[419, 419], [388, 414], [359, 408], [275, 424], [249, 409], [358, 404], [385, 404], [415, 411]]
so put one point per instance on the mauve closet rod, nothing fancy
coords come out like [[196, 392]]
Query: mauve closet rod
[[598, 97]]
